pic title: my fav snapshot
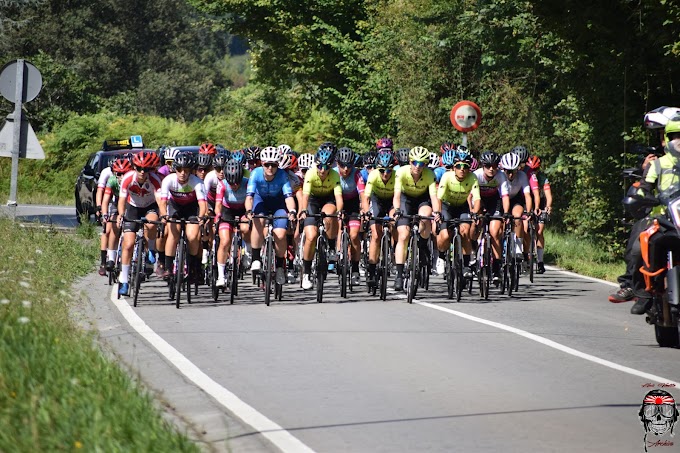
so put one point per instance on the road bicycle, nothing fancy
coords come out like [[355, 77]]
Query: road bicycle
[[140, 268], [511, 263], [234, 268], [345, 258], [386, 259], [267, 272], [179, 279], [320, 261], [455, 280], [416, 269], [485, 257]]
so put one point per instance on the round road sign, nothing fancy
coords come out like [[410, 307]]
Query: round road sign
[[466, 116], [32, 82]]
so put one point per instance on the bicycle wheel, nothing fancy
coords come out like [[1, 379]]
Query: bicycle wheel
[[507, 254], [512, 266], [180, 258], [412, 273], [343, 262], [235, 267], [458, 265], [321, 266], [139, 269], [267, 267], [484, 255], [384, 266], [213, 274], [449, 274], [532, 249]]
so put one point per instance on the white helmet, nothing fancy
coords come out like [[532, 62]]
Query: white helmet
[[284, 149], [434, 160], [510, 161], [270, 154], [659, 117], [306, 161], [286, 160], [170, 153]]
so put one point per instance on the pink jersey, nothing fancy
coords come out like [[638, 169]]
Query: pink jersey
[[137, 195], [183, 194]]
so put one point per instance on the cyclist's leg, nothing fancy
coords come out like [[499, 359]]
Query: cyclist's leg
[[129, 235], [517, 211], [112, 247], [443, 239], [172, 238], [354, 224], [226, 233], [151, 231]]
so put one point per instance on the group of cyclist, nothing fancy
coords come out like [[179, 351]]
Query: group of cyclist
[[336, 187]]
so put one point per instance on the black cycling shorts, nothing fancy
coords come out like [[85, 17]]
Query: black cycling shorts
[[136, 213], [314, 206], [411, 206]]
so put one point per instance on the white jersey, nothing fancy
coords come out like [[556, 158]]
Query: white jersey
[[498, 186], [183, 194], [211, 182], [104, 178], [520, 183], [140, 196]]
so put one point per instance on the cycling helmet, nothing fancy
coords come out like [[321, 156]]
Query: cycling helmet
[[121, 166], [324, 156], [233, 172], [534, 162], [284, 149], [346, 157], [358, 161], [128, 156], [286, 160], [384, 142], [253, 153], [673, 145], [384, 159], [170, 153], [293, 163], [204, 161], [489, 157], [270, 154], [463, 154], [521, 152], [434, 160], [510, 161], [659, 117], [221, 149], [207, 148], [306, 161], [156, 160], [330, 147], [474, 165], [238, 155], [221, 160], [449, 157], [370, 159], [145, 159], [402, 156], [419, 153], [446, 146], [184, 160]]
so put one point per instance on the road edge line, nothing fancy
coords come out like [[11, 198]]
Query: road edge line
[[278, 436]]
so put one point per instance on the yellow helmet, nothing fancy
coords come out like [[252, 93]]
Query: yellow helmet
[[420, 154], [672, 127]]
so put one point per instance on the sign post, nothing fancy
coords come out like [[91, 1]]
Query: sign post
[[466, 116], [20, 82]]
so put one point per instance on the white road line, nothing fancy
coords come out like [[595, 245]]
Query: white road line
[[281, 438], [573, 274], [552, 344]]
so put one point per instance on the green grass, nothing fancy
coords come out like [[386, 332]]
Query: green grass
[[58, 392], [581, 256]]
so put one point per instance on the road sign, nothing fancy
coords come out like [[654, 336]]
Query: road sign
[[29, 147], [466, 116], [136, 141], [32, 81]]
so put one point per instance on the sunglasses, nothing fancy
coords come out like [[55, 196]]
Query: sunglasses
[[343, 165], [461, 166], [418, 163], [494, 166], [510, 172], [202, 169], [120, 175], [369, 167], [144, 169], [385, 170], [323, 167], [271, 165], [219, 168]]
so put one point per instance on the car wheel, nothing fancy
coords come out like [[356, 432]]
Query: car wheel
[[79, 209]]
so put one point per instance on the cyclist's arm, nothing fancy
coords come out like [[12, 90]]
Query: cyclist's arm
[[548, 198], [436, 202], [202, 208], [248, 203], [506, 204], [290, 203], [106, 199], [476, 196], [396, 199], [339, 202]]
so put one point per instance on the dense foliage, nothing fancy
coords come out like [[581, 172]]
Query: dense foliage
[[569, 79]]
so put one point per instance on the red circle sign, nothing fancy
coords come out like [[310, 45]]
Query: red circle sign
[[466, 116]]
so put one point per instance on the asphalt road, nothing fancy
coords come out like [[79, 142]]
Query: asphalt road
[[56, 216], [362, 375]]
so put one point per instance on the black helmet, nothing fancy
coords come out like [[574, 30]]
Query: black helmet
[[205, 160], [489, 157], [220, 160], [402, 156], [522, 152], [253, 153], [369, 159], [346, 157], [233, 172], [184, 160]]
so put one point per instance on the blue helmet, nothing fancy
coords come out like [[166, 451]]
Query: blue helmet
[[324, 156], [384, 159], [238, 155], [462, 154], [449, 157]]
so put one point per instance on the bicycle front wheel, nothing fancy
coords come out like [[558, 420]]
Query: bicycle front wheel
[[344, 264], [384, 265], [138, 269], [458, 265], [412, 286], [235, 267], [268, 267], [321, 267], [532, 250], [180, 259]]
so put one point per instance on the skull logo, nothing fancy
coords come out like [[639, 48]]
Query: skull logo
[[658, 413]]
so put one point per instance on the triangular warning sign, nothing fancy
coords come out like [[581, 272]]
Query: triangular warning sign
[[28, 148]]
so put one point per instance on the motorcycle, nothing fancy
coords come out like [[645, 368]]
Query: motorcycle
[[660, 247]]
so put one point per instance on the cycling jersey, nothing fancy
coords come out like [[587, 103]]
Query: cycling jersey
[[211, 182], [315, 187], [137, 195], [438, 173], [104, 177], [364, 174], [454, 192], [278, 186], [183, 194], [163, 171], [495, 187], [405, 184], [295, 182], [520, 183], [229, 198], [112, 187], [352, 185], [376, 186]]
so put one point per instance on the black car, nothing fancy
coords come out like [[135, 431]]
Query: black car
[[86, 184]]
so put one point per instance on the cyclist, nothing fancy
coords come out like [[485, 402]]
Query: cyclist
[[369, 164], [110, 209], [520, 197], [204, 165], [321, 192], [269, 192], [229, 204], [384, 142], [239, 156], [138, 198], [523, 154], [207, 148], [447, 161], [415, 189], [289, 163], [401, 157], [543, 203], [253, 158], [434, 161], [454, 190], [182, 197], [494, 192], [352, 189], [168, 157], [377, 200], [305, 162]]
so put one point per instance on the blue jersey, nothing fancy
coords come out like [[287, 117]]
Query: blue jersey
[[269, 189], [228, 197], [364, 174], [353, 185], [438, 173]]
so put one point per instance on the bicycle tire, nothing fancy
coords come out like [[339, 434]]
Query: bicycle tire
[[449, 275], [139, 268], [384, 265], [180, 257], [344, 263], [532, 249], [507, 250], [267, 267], [235, 267], [512, 266], [412, 285], [485, 269], [458, 267], [213, 274], [320, 263]]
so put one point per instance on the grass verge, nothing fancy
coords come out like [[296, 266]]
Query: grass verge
[[581, 256], [57, 390]]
